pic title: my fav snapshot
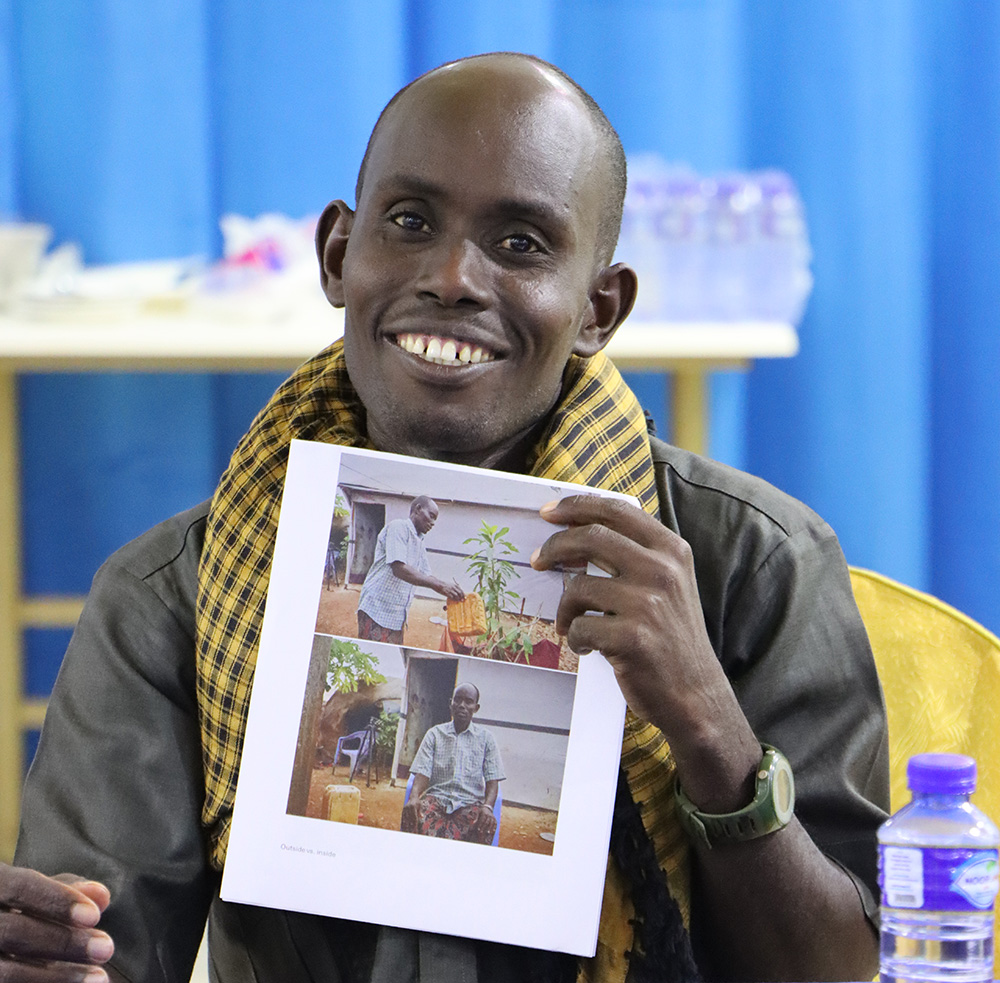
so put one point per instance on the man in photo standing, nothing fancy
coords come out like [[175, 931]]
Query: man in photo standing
[[399, 567]]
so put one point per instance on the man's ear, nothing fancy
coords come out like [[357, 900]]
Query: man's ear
[[332, 232], [612, 295]]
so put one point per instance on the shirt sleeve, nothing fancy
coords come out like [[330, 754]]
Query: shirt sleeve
[[115, 789], [781, 616], [423, 563], [397, 535], [423, 761], [806, 680], [492, 763]]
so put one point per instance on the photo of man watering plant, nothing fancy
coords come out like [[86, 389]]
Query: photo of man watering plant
[[435, 564]]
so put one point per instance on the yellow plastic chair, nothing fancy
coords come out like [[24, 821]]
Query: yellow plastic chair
[[940, 673]]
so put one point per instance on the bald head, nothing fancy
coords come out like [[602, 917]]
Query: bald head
[[517, 83]]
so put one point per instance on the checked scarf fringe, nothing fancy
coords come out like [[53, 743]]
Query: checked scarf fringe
[[596, 436]]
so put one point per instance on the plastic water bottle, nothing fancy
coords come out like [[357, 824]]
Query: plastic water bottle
[[938, 875], [782, 254], [731, 200], [680, 230]]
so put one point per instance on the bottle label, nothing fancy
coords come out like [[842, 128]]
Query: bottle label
[[938, 879]]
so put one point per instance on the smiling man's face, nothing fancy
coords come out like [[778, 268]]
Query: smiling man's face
[[469, 268]]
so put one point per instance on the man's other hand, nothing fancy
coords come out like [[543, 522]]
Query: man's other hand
[[47, 927]]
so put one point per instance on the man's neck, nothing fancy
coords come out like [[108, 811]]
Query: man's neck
[[511, 455]]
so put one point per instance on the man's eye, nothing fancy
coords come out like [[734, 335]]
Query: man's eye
[[520, 243], [410, 221]]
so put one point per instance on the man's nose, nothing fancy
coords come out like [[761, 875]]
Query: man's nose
[[454, 273]]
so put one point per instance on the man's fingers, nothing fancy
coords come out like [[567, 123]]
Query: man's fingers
[[18, 971], [576, 547], [46, 927], [27, 937], [596, 595], [603, 613], [623, 517], [589, 633], [94, 890], [611, 534], [51, 898]]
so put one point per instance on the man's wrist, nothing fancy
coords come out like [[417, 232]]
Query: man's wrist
[[771, 808]]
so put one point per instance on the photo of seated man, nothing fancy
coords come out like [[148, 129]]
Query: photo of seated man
[[457, 774], [399, 567]]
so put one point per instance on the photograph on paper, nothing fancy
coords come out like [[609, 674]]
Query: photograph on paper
[[418, 559], [413, 709], [451, 746]]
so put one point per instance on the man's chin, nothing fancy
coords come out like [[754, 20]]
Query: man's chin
[[465, 438]]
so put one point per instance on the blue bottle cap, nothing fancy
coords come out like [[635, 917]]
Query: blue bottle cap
[[941, 774]]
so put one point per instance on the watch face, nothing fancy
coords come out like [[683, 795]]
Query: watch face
[[784, 793]]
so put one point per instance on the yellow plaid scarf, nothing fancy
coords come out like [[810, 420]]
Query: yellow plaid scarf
[[596, 436]]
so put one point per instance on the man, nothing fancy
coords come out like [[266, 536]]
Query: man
[[457, 773], [487, 210], [399, 566]]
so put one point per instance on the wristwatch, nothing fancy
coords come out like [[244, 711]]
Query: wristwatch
[[771, 809]]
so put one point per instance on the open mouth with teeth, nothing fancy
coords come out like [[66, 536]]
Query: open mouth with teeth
[[442, 350]]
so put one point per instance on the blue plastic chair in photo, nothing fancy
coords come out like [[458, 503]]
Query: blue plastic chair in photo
[[355, 746]]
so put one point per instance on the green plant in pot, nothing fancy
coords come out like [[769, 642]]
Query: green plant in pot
[[493, 571]]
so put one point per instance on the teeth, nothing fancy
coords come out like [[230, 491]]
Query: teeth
[[443, 351]]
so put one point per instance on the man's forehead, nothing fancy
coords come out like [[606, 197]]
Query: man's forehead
[[521, 115], [507, 81], [468, 94]]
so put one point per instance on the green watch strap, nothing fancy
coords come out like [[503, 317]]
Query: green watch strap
[[771, 809]]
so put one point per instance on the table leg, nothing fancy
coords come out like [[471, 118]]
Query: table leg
[[11, 641], [689, 408]]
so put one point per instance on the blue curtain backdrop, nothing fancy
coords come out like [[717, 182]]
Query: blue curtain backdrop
[[132, 127]]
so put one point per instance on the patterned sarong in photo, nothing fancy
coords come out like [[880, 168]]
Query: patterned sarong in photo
[[372, 631], [428, 817]]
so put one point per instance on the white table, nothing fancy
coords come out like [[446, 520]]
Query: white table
[[179, 343]]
